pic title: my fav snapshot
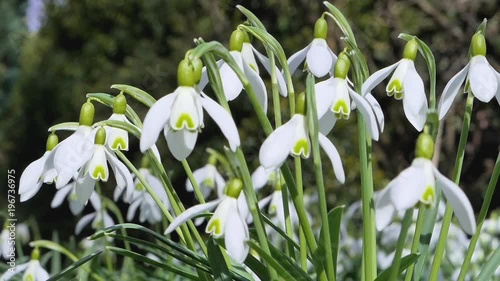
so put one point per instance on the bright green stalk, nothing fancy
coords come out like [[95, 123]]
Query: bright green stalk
[[193, 181], [438, 254], [482, 216], [300, 189], [416, 239], [318, 171], [400, 244]]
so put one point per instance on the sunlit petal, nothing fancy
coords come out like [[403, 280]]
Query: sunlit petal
[[451, 90], [325, 95], [377, 109], [279, 76], [319, 60], [189, 213], [180, 143], [185, 114], [236, 237], [217, 223], [297, 58], [334, 156], [407, 188], [278, 145], [461, 206], [84, 221], [223, 120], [60, 195], [258, 86], [155, 120], [30, 178], [367, 113], [377, 77], [482, 79], [231, 84]]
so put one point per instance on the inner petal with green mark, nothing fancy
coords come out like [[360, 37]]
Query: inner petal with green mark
[[139, 187], [185, 121], [99, 173], [395, 86], [209, 183], [428, 195], [119, 144], [301, 148], [341, 109], [214, 227], [29, 277]]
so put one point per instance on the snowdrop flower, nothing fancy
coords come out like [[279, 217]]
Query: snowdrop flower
[[4, 242], [319, 57], [142, 200], [39, 171], [100, 218], [95, 168], [261, 177], [180, 115], [480, 78], [333, 100], [118, 138], [404, 84], [227, 221], [242, 51], [417, 184], [208, 179], [293, 138], [33, 271], [72, 153]]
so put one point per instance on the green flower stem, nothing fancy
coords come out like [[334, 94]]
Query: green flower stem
[[482, 216], [318, 171], [222, 160], [193, 181], [300, 189], [416, 239], [457, 171], [401, 244]]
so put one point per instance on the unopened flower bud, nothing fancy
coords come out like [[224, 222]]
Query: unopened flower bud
[[234, 188], [411, 49], [425, 146], [300, 104], [87, 114], [320, 28], [52, 142], [342, 66], [120, 104], [100, 136], [236, 40], [478, 45]]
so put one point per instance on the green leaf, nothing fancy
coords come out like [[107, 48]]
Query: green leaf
[[217, 261], [120, 125], [252, 18], [334, 222], [490, 267], [282, 269], [66, 126], [257, 267], [142, 258], [73, 267], [136, 93], [341, 22], [288, 263], [405, 263], [108, 100], [281, 232]]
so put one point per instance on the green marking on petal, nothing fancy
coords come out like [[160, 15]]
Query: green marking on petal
[[254, 67], [214, 227], [29, 277], [99, 173], [73, 196], [399, 96], [396, 86], [185, 120], [341, 109], [209, 183], [139, 187], [301, 147], [429, 195], [119, 144]]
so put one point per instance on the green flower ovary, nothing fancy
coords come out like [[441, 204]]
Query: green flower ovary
[[341, 109], [301, 147], [185, 120]]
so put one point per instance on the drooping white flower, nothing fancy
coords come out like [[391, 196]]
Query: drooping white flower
[[180, 115], [208, 179], [68, 191], [98, 219], [404, 84], [319, 58], [293, 138], [479, 76], [33, 271], [228, 221], [333, 100], [118, 138], [148, 209], [38, 172], [417, 184]]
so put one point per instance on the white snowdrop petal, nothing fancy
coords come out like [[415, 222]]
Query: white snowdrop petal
[[451, 90], [278, 145], [295, 59], [236, 237], [483, 82], [319, 60], [334, 156], [407, 188], [258, 86], [84, 221], [155, 120], [367, 113], [377, 77], [189, 213], [180, 143]]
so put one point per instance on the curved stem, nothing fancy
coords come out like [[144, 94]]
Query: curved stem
[[441, 246], [482, 216], [193, 181]]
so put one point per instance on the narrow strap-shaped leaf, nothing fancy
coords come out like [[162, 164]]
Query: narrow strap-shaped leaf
[[334, 219], [281, 232], [490, 267], [257, 267], [405, 263], [136, 93], [282, 269], [66, 126], [254, 20], [73, 267], [217, 261], [341, 21], [289, 264]]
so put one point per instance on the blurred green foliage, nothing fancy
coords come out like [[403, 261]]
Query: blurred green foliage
[[86, 46]]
